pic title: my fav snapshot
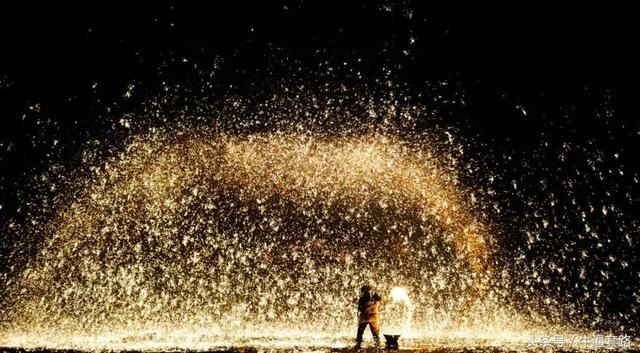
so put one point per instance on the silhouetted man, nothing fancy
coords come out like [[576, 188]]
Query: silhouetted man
[[368, 314]]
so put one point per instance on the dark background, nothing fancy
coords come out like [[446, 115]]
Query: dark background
[[573, 68], [540, 56]]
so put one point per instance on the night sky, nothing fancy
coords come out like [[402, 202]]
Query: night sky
[[554, 60]]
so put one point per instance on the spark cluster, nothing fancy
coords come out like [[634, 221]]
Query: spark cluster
[[243, 235]]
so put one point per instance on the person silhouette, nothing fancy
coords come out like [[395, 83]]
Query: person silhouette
[[368, 314]]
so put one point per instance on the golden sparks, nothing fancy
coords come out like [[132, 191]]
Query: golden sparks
[[196, 240]]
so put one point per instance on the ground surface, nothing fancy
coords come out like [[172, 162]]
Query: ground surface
[[430, 349]]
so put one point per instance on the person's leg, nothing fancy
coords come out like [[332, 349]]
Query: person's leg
[[361, 327], [375, 331]]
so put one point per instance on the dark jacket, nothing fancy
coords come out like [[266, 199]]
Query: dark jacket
[[369, 307]]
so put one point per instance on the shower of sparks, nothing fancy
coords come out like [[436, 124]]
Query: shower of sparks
[[225, 237]]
